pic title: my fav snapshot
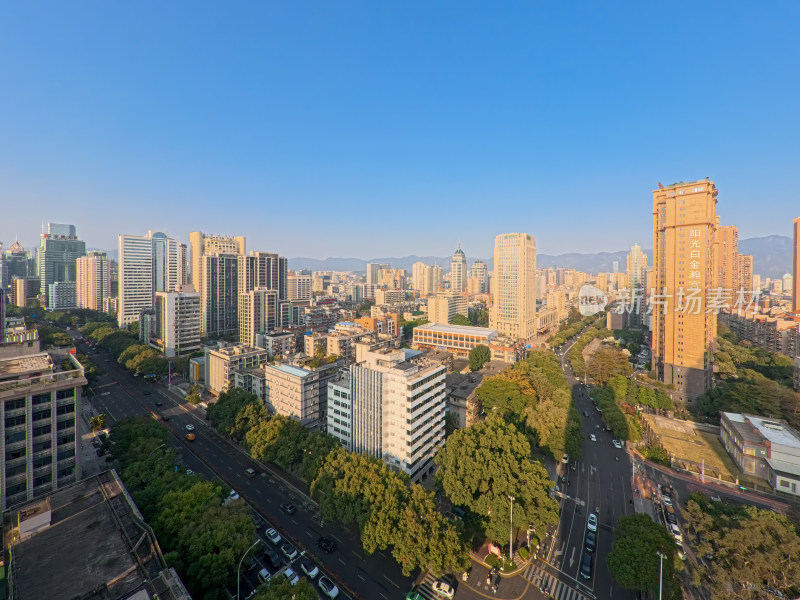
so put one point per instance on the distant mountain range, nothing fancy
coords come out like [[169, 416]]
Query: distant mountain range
[[772, 257]]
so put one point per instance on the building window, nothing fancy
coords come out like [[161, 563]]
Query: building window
[[61, 394]]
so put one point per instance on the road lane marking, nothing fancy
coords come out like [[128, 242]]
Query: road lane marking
[[341, 561], [392, 582]]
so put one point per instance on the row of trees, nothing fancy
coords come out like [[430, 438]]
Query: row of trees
[[201, 536], [534, 396], [753, 381], [570, 328], [750, 553], [390, 511], [575, 355]]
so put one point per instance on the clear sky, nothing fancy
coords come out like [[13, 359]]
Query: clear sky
[[372, 129]]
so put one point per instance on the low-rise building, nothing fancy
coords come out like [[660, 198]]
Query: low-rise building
[[443, 307], [87, 540], [387, 323], [462, 400], [222, 363], [763, 447], [277, 343], [457, 339]]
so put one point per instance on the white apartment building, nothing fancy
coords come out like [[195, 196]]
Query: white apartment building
[[398, 410], [147, 264], [177, 321], [62, 295], [299, 287], [221, 365], [513, 311], [257, 314], [276, 343], [339, 417], [92, 280]]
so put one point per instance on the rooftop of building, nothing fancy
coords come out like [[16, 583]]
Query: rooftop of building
[[783, 467], [457, 329], [290, 370], [19, 366], [237, 350], [756, 429], [462, 385], [86, 551]]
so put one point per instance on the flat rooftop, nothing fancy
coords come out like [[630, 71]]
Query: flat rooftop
[[296, 371], [86, 551], [25, 365], [775, 430], [458, 329]]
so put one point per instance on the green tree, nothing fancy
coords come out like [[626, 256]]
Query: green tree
[[482, 465], [607, 363], [97, 422], [634, 561], [279, 588], [223, 413], [460, 320], [478, 357]]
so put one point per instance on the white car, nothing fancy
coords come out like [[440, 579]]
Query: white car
[[327, 586], [443, 589], [234, 495], [591, 525], [667, 501], [309, 568], [617, 443], [273, 536], [565, 459], [593, 437], [676, 533], [291, 576], [189, 427]]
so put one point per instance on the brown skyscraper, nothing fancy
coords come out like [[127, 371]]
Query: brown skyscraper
[[684, 271], [727, 255], [796, 268]]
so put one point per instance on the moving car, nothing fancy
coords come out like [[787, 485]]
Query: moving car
[[309, 568], [289, 509], [592, 523], [326, 544], [443, 589], [586, 565], [586, 413], [327, 586], [189, 427], [250, 472], [593, 437], [289, 551], [189, 437], [273, 536], [565, 459], [291, 576]]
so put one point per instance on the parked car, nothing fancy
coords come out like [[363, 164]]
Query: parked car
[[591, 525], [667, 500], [264, 576], [289, 509], [676, 533], [414, 595], [289, 551], [617, 444], [443, 589], [586, 565], [565, 459], [273, 536], [291, 576], [272, 558], [326, 544], [328, 587], [590, 541], [309, 568]]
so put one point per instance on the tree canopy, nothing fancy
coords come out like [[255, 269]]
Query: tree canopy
[[483, 465], [478, 357], [460, 320]]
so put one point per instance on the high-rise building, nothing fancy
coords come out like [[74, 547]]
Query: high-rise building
[[513, 311], [615, 266], [40, 399], [637, 275], [264, 270], [177, 321], [299, 287], [427, 279], [394, 279], [391, 408], [796, 267], [458, 272], [372, 272], [258, 313], [418, 276], [147, 264], [726, 260], [219, 298], [92, 282], [745, 277], [59, 248], [201, 243], [684, 273], [62, 295], [479, 272]]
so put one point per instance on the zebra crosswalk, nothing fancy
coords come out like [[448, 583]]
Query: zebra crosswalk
[[425, 590], [554, 588]]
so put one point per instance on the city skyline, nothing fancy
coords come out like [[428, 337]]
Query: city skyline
[[341, 113]]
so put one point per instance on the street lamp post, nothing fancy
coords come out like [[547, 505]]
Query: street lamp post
[[661, 557], [156, 448], [239, 568], [511, 531]]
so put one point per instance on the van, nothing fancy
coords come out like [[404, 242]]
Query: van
[[264, 576]]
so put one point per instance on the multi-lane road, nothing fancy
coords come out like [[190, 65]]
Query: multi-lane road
[[370, 577]]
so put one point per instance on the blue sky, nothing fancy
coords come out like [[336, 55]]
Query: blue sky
[[393, 128]]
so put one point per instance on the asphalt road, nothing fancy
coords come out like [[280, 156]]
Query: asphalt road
[[375, 577], [599, 483]]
